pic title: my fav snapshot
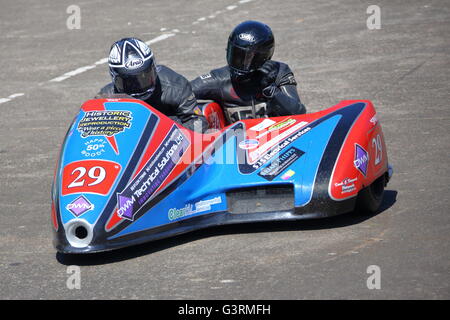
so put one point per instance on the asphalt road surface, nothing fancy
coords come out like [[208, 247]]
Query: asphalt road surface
[[48, 70]]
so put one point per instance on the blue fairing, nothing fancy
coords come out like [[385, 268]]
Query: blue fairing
[[125, 149], [205, 191]]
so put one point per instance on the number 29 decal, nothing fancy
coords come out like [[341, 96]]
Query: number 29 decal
[[89, 176], [376, 143]]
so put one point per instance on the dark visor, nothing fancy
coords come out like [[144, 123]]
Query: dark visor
[[136, 83], [246, 59]]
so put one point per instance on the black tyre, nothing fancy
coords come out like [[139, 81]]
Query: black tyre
[[370, 198]]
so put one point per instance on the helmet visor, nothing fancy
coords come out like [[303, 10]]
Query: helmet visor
[[246, 60], [139, 83]]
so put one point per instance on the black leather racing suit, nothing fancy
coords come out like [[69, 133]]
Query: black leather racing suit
[[246, 100], [173, 97]]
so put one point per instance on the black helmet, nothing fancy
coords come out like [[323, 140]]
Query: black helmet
[[250, 45], [132, 68]]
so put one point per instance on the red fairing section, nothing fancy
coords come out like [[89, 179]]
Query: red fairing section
[[363, 157], [214, 115]]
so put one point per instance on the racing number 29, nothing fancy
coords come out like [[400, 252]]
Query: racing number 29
[[92, 176]]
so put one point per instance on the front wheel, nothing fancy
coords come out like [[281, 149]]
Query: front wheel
[[370, 198]]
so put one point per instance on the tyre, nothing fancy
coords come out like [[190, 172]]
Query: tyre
[[370, 198]]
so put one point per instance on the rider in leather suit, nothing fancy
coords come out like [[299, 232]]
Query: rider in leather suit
[[251, 85], [134, 72]]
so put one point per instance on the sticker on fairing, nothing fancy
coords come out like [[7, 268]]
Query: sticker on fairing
[[104, 123], [94, 147], [279, 126], [347, 185], [281, 163], [289, 174], [193, 208], [248, 144], [361, 159], [153, 174], [262, 125], [89, 176], [284, 139], [80, 206]]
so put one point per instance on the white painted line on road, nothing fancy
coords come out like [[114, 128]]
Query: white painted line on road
[[215, 14], [199, 20], [102, 61], [13, 96], [160, 38], [80, 70], [75, 72], [70, 74], [227, 281]]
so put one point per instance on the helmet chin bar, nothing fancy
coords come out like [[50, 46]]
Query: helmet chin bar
[[144, 95], [240, 75]]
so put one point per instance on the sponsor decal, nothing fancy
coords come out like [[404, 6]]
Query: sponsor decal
[[198, 111], [273, 152], [288, 174], [89, 176], [361, 159], [190, 209], [94, 147], [134, 63], [263, 125], [152, 175], [248, 144], [205, 76], [283, 124], [283, 140], [279, 164], [247, 37], [278, 126], [79, 206], [347, 185], [104, 123]]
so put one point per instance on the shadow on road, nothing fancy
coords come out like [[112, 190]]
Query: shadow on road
[[390, 197]]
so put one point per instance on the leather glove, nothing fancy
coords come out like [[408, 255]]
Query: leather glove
[[269, 72]]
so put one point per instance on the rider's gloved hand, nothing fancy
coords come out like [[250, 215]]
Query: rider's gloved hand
[[269, 72]]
